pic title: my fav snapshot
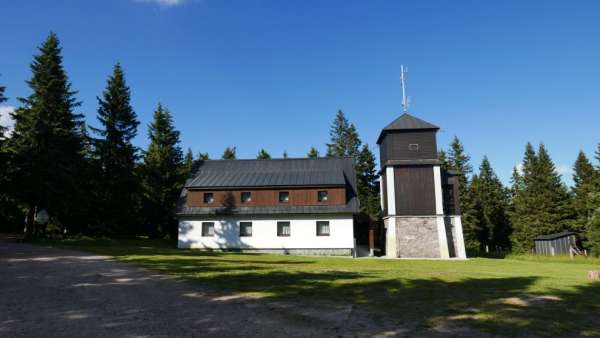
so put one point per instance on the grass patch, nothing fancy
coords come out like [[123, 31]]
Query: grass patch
[[516, 296]]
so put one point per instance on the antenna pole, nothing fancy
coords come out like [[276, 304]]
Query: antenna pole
[[403, 83]]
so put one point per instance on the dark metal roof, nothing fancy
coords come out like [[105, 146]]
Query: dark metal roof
[[407, 122], [554, 236], [297, 172]]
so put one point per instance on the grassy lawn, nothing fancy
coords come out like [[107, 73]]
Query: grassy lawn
[[518, 296]]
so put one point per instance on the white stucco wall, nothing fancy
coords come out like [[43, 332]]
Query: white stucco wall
[[303, 234]]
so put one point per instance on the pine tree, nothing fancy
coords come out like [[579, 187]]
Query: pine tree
[[313, 153], [585, 177], [229, 153], [542, 205], [474, 231], [116, 155], [458, 160], [367, 184], [188, 161], [263, 155], [203, 156], [45, 144], [442, 157], [163, 174], [493, 200], [344, 138]]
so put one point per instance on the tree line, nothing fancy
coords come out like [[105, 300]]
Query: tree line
[[498, 218], [91, 179]]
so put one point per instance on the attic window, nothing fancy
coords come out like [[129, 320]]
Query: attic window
[[209, 198], [413, 147], [284, 196], [322, 196], [246, 197]]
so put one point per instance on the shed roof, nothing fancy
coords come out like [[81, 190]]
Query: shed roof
[[554, 236]]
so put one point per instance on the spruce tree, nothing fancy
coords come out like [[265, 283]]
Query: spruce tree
[[313, 153], [263, 155], [343, 137], [458, 161], [367, 184], [163, 174], [542, 205], [229, 153], [188, 161], [116, 155], [585, 177], [203, 156], [443, 158], [493, 199], [45, 144], [285, 154]]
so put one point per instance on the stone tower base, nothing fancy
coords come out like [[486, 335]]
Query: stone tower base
[[424, 237]]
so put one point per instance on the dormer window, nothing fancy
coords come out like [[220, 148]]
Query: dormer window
[[246, 197], [284, 196], [322, 196], [208, 198], [413, 147]]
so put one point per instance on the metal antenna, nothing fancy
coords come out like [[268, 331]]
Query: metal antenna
[[405, 100]]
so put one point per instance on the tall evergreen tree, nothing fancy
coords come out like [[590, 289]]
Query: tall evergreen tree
[[313, 153], [585, 177], [367, 184], [116, 155], [344, 138], [203, 156], [229, 153], [285, 154], [493, 200], [163, 175], [188, 161], [45, 144], [542, 205], [458, 160], [263, 155], [443, 158]]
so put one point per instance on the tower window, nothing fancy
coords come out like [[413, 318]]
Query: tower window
[[322, 196], [284, 196], [209, 198], [413, 147], [246, 197]]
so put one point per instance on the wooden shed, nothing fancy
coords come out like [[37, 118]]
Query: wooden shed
[[555, 244]]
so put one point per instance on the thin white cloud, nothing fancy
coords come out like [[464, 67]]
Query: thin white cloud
[[565, 170], [164, 3], [5, 118]]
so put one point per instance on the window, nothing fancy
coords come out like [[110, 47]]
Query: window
[[413, 147], [284, 196], [283, 229], [208, 229], [209, 198], [322, 196], [322, 228], [245, 229], [246, 197]]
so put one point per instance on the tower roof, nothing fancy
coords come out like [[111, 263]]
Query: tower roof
[[407, 122]]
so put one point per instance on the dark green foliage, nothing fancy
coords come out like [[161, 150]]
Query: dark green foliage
[[458, 160], [443, 160], [313, 153], [188, 162], [541, 203], [163, 174], [263, 155], [368, 185], [45, 148], [203, 156], [229, 153], [585, 178], [115, 154], [491, 202], [344, 138]]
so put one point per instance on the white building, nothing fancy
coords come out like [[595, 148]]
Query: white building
[[296, 206]]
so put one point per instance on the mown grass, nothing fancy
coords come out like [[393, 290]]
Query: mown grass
[[516, 296]]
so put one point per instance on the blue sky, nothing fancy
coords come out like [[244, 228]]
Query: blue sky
[[273, 74]]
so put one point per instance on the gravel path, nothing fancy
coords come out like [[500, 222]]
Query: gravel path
[[49, 292]]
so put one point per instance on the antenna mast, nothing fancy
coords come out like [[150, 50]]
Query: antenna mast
[[403, 71]]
